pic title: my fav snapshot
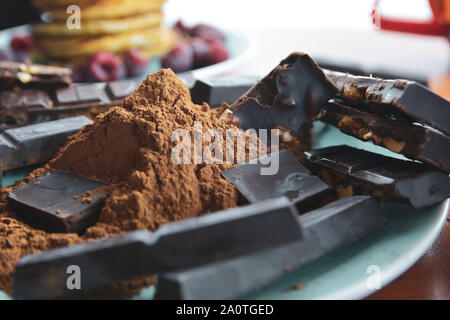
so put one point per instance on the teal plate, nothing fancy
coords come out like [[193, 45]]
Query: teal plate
[[348, 273]]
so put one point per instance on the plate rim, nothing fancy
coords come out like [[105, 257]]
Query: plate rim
[[360, 290]]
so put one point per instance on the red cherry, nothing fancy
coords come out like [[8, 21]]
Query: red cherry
[[181, 27], [106, 66], [217, 52], [135, 62], [201, 50], [180, 58], [22, 43], [207, 32]]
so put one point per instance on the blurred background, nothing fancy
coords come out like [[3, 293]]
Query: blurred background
[[342, 34]]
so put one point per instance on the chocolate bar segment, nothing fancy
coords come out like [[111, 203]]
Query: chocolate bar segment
[[27, 106], [38, 143], [119, 90], [30, 98], [21, 74], [353, 171], [193, 242], [414, 141], [290, 96], [326, 229], [402, 99], [291, 179], [216, 91], [59, 202]]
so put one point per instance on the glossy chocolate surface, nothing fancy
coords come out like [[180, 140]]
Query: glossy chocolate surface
[[354, 171]]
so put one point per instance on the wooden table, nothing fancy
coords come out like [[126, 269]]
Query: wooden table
[[429, 278]]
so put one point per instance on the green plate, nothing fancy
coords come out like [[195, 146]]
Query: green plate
[[346, 273]]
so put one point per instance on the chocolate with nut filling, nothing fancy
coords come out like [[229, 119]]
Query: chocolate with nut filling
[[353, 171], [414, 141], [290, 96], [402, 99], [38, 75]]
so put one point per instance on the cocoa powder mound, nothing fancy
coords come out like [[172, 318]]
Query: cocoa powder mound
[[130, 148]]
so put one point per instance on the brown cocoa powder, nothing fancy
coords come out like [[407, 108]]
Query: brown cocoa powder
[[129, 147]]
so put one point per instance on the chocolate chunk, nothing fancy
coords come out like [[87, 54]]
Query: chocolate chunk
[[66, 95], [291, 179], [215, 91], [32, 75], [414, 141], [27, 106], [290, 96], [30, 98], [353, 171], [402, 99], [119, 90], [37, 143], [326, 229], [81, 94], [88, 93], [59, 202], [184, 244]]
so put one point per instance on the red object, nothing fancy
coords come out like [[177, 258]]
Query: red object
[[436, 26], [105, 66], [179, 59], [22, 43], [135, 62], [201, 50], [217, 52]]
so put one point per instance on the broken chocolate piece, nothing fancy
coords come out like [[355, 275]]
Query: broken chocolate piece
[[29, 98], [119, 90], [414, 141], [353, 171], [216, 91], [290, 96], [326, 229], [291, 179], [59, 202], [27, 106], [402, 99], [184, 244], [36, 75], [36, 143]]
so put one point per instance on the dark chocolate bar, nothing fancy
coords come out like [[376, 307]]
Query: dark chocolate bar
[[36, 143], [353, 171], [290, 96], [27, 106], [326, 229], [59, 202], [184, 244], [291, 179], [22, 74], [414, 141], [216, 91], [402, 99]]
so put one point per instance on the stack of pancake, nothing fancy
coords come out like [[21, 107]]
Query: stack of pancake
[[106, 25]]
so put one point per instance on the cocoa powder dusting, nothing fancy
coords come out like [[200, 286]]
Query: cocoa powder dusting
[[129, 147]]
